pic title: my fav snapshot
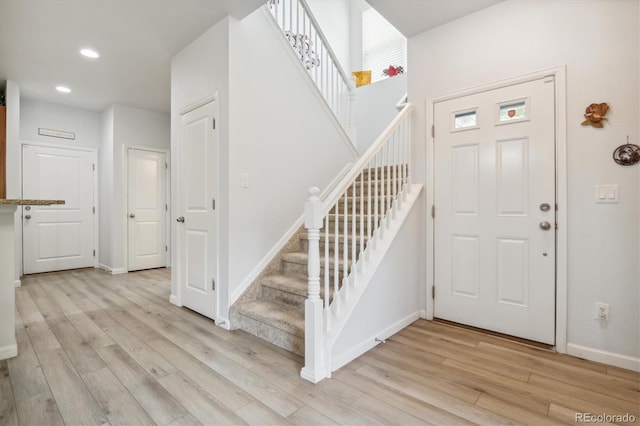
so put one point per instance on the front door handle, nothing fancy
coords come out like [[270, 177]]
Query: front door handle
[[545, 226], [28, 216], [132, 215], [180, 219]]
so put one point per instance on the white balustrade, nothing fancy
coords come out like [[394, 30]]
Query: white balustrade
[[310, 44], [359, 208]]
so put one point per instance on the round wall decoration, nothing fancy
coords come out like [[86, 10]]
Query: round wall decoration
[[627, 154]]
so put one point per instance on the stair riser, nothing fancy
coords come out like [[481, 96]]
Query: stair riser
[[372, 172], [304, 245], [381, 190], [293, 301], [271, 334], [301, 271]]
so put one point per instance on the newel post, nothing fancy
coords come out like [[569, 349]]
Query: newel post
[[314, 368]]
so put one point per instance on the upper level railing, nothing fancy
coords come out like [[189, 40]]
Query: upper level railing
[[348, 224], [310, 44]]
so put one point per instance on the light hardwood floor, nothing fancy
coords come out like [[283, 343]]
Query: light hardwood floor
[[102, 349]]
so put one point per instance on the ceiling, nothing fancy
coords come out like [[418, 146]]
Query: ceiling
[[40, 42], [413, 17]]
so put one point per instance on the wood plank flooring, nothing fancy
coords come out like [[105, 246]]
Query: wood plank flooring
[[101, 349]]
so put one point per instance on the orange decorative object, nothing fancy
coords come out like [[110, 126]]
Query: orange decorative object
[[362, 77], [595, 114]]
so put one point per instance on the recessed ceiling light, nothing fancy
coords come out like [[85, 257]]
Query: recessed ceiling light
[[63, 89], [90, 53]]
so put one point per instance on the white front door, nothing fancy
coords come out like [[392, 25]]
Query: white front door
[[58, 237], [495, 210], [147, 208], [198, 220]]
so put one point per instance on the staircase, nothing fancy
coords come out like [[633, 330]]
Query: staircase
[[304, 299], [273, 307]]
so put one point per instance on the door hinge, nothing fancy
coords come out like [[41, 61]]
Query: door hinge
[[213, 284], [166, 165], [433, 211], [93, 166], [94, 210], [433, 131], [166, 207], [94, 253], [166, 248], [213, 203], [433, 292], [214, 124]]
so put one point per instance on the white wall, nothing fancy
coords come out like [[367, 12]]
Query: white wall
[[14, 163], [35, 114], [335, 21], [105, 188], [272, 126], [131, 127], [376, 107], [518, 37], [386, 306], [281, 135], [199, 70]]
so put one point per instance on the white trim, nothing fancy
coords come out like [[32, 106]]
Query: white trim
[[112, 271], [559, 74], [8, 351], [125, 201], [174, 300], [223, 322], [17, 283], [271, 254], [605, 357], [209, 97], [366, 344]]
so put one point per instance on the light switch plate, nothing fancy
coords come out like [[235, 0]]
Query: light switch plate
[[606, 194]]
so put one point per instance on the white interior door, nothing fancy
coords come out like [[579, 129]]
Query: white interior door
[[198, 221], [495, 210], [147, 209], [58, 237]]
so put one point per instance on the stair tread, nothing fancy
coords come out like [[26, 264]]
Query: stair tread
[[275, 315], [289, 283]]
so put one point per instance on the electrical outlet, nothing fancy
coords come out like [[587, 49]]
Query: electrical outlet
[[602, 311]]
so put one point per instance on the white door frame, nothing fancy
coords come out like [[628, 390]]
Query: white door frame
[[559, 73], [96, 198], [125, 200]]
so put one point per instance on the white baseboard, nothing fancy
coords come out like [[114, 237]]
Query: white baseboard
[[9, 351], [605, 357], [368, 343], [112, 271], [423, 314], [174, 300], [223, 322], [17, 283]]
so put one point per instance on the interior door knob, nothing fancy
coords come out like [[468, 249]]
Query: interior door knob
[[180, 219], [132, 215], [28, 216], [545, 226]]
